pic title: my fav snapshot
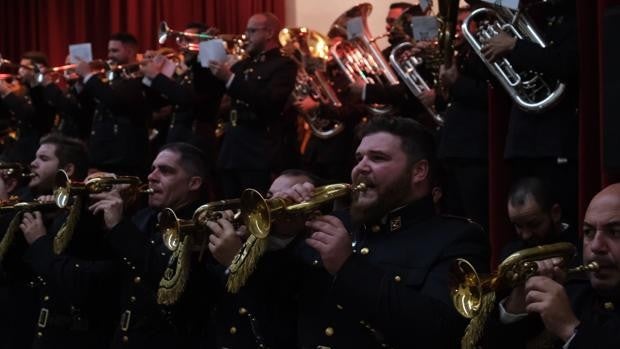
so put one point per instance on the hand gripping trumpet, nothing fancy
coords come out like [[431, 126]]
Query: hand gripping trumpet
[[474, 297], [259, 213], [182, 237]]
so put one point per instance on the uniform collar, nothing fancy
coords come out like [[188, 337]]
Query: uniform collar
[[405, 215]]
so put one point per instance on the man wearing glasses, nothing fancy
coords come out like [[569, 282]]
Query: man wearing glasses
[[259, 87]]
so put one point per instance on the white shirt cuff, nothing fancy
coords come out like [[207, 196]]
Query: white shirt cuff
[[147, 82], [506, 317], [565, 346], [230, 80]]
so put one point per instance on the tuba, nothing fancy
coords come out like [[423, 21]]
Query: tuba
[[528, 89], [65, 188], [405, 64], [310, 50], [474, 297]]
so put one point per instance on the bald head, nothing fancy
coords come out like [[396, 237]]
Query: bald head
[[262, 32], [601, 238]]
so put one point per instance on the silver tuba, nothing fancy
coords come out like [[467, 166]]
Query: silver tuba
[[310, 50], [528, 89], [405, 64]]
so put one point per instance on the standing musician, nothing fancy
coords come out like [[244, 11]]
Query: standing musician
[[178, 181], [575, 314], [371, 272], [463, 140], [259, 87], [121, 114], [544, 144]]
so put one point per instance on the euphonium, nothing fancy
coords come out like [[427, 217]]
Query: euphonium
[[65, 188], [528, 89], [474, 297], [174, 230], [310, 50]]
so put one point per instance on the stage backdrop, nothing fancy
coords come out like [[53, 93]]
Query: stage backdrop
[[51, 25]]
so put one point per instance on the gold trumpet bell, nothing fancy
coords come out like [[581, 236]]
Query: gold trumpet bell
[[465, 288], [256, 213]]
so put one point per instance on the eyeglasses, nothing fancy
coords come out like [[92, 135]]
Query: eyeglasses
[[254, 30]]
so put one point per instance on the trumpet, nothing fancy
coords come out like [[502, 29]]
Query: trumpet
[[65, 188], [473, 297], [174, 230], [234, 41], [16, 170]]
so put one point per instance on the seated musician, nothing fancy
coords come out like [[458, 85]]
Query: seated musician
[[574, 314], [536, 216]]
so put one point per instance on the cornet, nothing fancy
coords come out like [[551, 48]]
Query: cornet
[[15, 169], [474, 297], [65, 188]]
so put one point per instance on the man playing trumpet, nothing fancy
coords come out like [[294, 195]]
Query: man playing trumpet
[[579, 314]]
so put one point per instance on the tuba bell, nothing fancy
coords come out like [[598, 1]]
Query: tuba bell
[[310, 50], [528, 89], [473, 297]]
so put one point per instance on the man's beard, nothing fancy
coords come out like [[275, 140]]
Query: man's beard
[[392, 197]]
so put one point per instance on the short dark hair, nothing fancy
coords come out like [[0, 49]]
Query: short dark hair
[[294, 172], [416, 140], [197, 25], [125, 39], [37, 57], [537, 188], [192, 159], [69, 151]]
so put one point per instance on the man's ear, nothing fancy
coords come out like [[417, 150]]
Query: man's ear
[[195, 183], [70, 169], [420, 171]]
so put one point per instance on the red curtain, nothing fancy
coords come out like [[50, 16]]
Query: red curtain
[[51, 25]]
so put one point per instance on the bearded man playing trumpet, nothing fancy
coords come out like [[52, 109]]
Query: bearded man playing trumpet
[[577, 314]]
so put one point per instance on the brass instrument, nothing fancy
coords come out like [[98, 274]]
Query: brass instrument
[[65, 188], [174, 230], [528, 89], [259, 213], [235, 43], [15, 169], [359, 57], [473, 297], [310, 50]]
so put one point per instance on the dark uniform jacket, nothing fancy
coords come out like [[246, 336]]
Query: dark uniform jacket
[[142, 323], [119, 125], [259, 92], [599, 328], [74, 114], [553, 132], [77, 289], [23, 116], [464, 134], [393, 291]]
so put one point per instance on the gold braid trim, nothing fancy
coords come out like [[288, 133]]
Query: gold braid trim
[[475, 328], [172, 284], [9, 236], [244, 263], [65, 233]]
